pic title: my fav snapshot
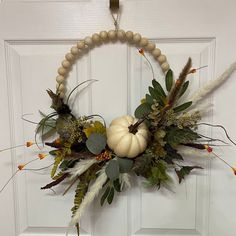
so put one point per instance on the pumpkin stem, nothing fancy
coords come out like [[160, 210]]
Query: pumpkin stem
[[134, 128]]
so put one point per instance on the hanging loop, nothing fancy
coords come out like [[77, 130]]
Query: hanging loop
[[115, 12], [114, 5]]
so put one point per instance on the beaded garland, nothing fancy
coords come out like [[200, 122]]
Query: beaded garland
[[105, 36]]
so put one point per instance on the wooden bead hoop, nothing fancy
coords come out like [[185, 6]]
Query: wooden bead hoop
[[82, 46]]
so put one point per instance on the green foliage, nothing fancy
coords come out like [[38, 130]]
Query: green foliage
[[142, 110], [110, 191], [184, 88], [105, 195], [158, 175], [155, 94], [111, 195], [96, 143], [182, 107], [57, 161], [113, 170], [176, 136], [185, 170], [171, 155], [66, 164], [159, 89], [125, 165], [143, 164], [169, 80]]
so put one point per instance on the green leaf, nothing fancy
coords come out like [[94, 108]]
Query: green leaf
[[149, 99], [96, 143], [105, 195], [169, 80], [158, 88], [142, 110], [184, 88], [117, 185], [171, 155], [111, 195], [125, 165], [155, 95], [176, 136], [185, 170], [112, 170], [182, 107]]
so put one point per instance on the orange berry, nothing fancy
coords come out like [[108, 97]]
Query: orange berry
[[42, 156], [141, 51], [234, 170], [20, 167], [29, 144], [57, 141]]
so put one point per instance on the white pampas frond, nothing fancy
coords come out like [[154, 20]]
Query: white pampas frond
[[81, 167], [211, 85], [89, 197], [187, 151], [125, 180], [203, 108]]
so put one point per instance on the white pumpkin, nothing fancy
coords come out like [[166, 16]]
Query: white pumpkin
[[122, 141]]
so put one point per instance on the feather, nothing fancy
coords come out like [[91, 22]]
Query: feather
[[81, 167], [211, 85], [89, 197]]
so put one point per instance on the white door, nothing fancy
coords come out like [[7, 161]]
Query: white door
[[35, 35]]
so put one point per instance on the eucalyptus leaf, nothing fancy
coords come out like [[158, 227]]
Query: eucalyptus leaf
[[111, 195], [105, 195], [169, 80], [125, 165], [96, 143], [112, 170], [182, 107], [117, 185]]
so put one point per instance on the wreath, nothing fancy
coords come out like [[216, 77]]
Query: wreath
[[94, 158]]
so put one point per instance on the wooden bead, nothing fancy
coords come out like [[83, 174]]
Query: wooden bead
[[150, 47], [161, 59], [156, 52], [137, 37], [96, 38], [165, 66], [81, 45], [103, 35], [62, 71], [60, 79], [62, 94], [121, 35], [88, 41], [143, 42], [60, 87], [112, 34], [70, 57], [66, 64], [129, 35], [75, 51]]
